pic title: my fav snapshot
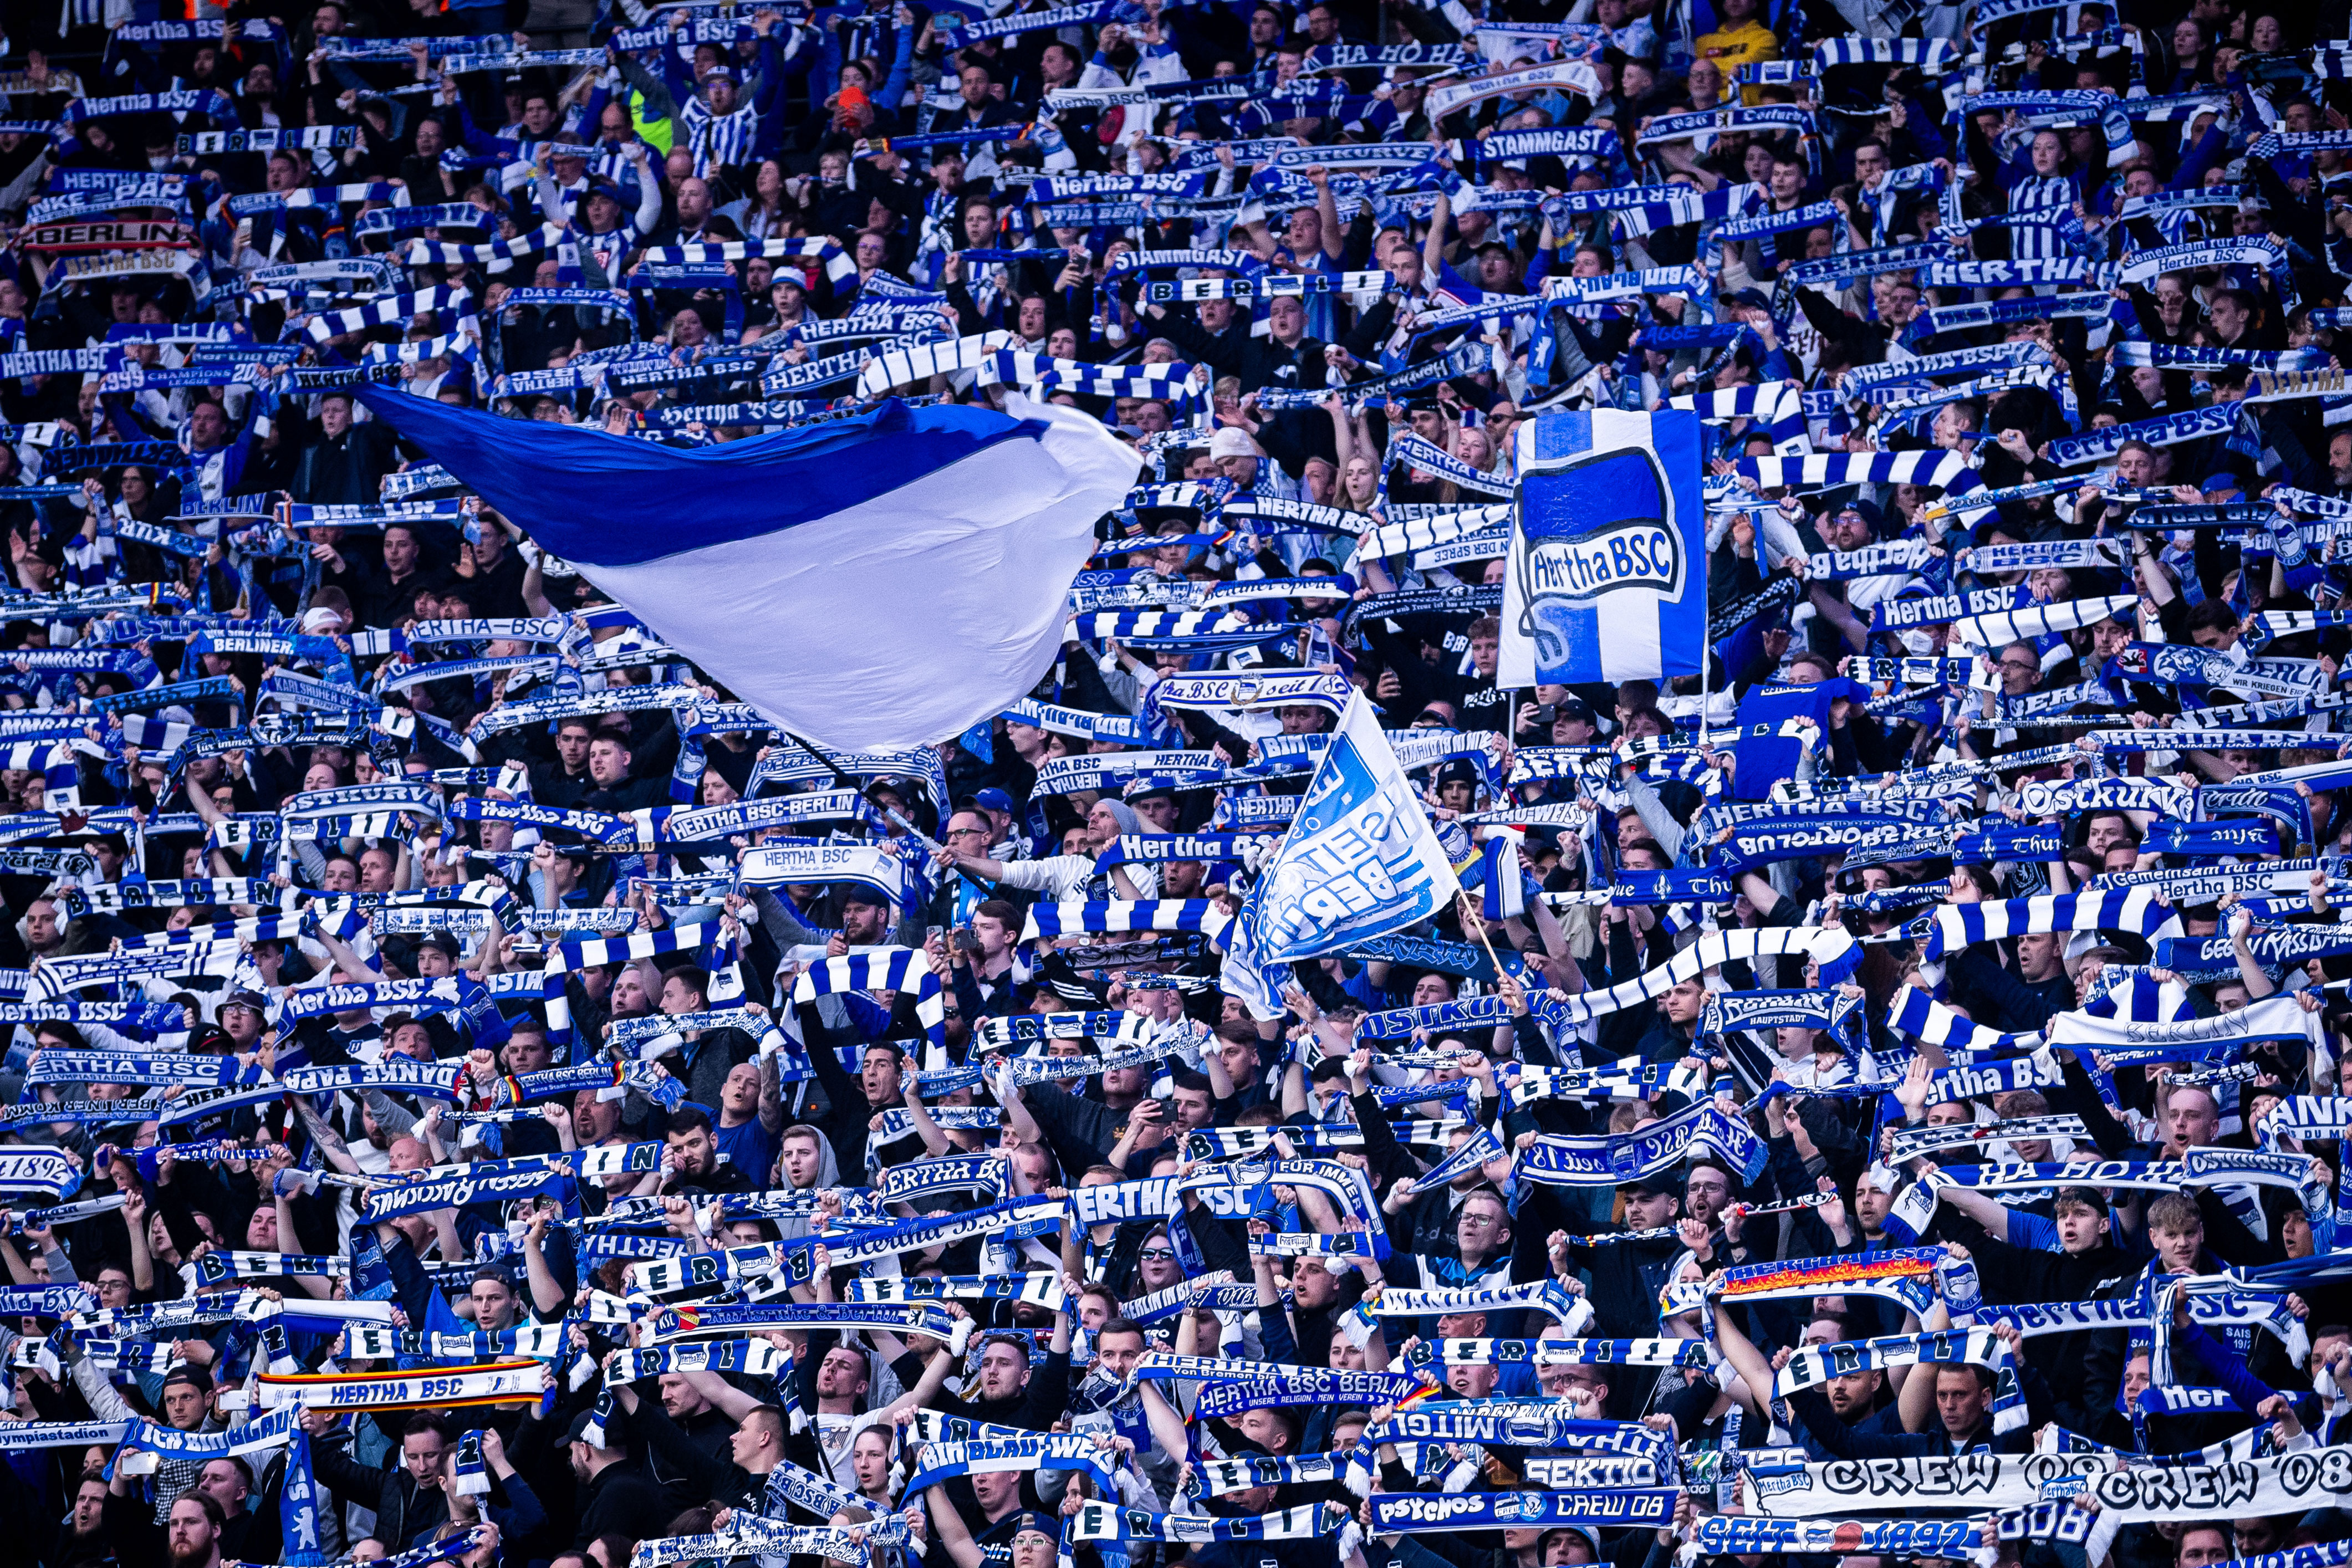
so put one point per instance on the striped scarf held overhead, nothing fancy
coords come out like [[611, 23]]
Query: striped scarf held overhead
[[1994, 629], [1217, 1478], [397, 311], [1813, 1365], [1179, 384], [495, 254], [1933, 467], [1776, 405], [1564, 1352], [1829, 947], [1102, 1521], [1058, 920], [888, 970], [2135, 909], [1917, 1015], [568, 958], [1413, 535], [900, 367], [1412, 451]]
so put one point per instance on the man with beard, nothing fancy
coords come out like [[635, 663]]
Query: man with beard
[[1852, 1397], [189, 1536], [1707, 1191], [82, 1540], [1011, 1393], [1626, 1275]]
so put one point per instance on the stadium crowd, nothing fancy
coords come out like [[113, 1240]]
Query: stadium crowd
[[476, 1092]]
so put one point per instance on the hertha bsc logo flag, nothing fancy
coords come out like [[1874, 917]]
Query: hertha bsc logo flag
[[1608, 578]]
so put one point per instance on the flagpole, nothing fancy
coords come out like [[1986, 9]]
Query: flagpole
[[1705, 673], [1476, 923], [850, 782]]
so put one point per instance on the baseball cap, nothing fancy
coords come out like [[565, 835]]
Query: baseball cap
[[1574, 708], [1029, 1521], [1652, 1186], [993, 800], [246, 998], [616, 1429], [195, 1377]]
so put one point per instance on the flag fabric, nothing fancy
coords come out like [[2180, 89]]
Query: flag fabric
[[1502, 894], [298, 1505], [1361, 858], [1608, 562], [925, 554]]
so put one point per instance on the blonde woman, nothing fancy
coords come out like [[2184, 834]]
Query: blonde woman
[[1357, 489]]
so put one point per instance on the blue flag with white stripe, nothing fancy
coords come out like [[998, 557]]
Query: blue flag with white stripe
[[925, 554], [1608, 565]]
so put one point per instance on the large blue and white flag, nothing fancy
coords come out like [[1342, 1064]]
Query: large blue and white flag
[[885, 580], [1608, 564], [1361, 858]]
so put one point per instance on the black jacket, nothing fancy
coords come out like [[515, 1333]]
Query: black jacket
[[403, 1508], [621, 1501]]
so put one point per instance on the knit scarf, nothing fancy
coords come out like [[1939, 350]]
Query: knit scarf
[[1810, 1366], [1622, 1507], [755, 1535], [1102, 1521], [1546, 1296], [147, 1445], [1911, 1142], [1612, 1160], [2136, 910], [1717, 1533], [1055, 1451]]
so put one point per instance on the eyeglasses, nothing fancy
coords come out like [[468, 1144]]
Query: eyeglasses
[[967, 832]]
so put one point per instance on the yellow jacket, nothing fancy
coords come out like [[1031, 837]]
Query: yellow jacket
[[1732, 48]]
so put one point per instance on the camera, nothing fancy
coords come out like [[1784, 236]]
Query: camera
[[1546, 712]]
